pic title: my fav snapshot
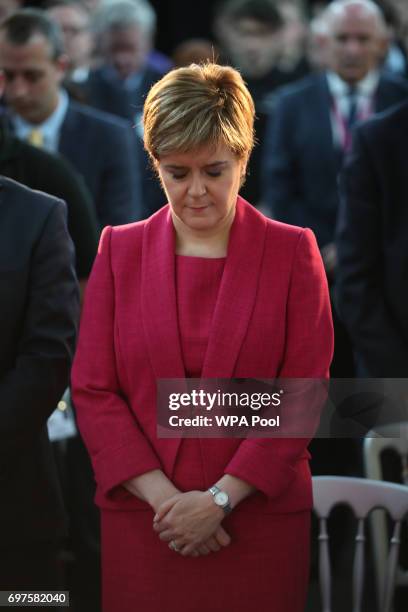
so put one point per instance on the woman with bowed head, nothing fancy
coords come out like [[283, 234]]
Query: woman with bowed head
[[207, 287]]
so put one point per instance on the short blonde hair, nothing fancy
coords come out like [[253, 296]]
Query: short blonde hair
[[196, 106]]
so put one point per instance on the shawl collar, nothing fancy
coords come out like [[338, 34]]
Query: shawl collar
[[235, 302]]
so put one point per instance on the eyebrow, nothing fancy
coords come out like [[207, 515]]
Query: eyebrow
[[212, 165]]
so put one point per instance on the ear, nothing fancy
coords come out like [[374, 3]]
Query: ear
[[383, 46], [244, 164], [2, 82], [61, 64]]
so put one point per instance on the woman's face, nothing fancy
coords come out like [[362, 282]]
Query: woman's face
[[202, 185]]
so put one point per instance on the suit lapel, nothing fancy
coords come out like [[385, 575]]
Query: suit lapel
[[323, 121], [236, 297]]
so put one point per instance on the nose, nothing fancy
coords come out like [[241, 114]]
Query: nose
[[353, 48], [197, 187], [122, 63]]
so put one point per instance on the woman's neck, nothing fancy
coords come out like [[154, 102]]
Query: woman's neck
[[202, 243]]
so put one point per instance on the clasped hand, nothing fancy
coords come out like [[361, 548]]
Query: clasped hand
[[193, 522]]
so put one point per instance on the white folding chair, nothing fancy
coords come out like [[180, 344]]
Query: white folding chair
[[389, 437], [362, 495]]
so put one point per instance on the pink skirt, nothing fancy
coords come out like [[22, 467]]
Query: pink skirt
[[266, 566]]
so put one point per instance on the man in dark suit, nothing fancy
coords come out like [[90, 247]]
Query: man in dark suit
[[124, 36], [99, 146], [373, 247], [309, 131], [39, 309]]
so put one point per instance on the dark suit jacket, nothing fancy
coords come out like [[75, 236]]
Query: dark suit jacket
[[100, 147], [110, 96], [261, 328], [39, 308], [53, 175], [372, 244], [301, 163]]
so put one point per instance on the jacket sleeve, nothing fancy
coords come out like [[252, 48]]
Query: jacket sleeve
[[269, 464], [30, 391], [117, 446], [360, 291]]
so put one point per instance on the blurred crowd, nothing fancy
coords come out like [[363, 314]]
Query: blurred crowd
[[74, 76]]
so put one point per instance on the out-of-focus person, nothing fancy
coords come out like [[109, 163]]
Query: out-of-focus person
[[293, 56], [316, 45], [310, 132], [250, 34], [124, 33], [74, 20], [194, 51], [7, 7], [187, 293], [39, 310], [396, 15], [311, 127], [372, 245], [39, 110]]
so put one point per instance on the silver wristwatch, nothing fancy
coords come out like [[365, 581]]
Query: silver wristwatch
[[221, 498]]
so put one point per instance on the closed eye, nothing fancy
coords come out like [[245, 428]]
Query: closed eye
[[181, 176]]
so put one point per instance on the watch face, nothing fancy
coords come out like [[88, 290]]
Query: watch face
[[221, 498]]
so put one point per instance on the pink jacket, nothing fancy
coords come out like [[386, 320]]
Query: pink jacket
[[272, 318]]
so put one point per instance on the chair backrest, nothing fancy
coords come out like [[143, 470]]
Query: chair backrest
[[395, 437], [388, 437], [362, 495]]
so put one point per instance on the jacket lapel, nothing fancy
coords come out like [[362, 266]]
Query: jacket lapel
[[159, 311], [324, 128], [158, 296], [236, 297]]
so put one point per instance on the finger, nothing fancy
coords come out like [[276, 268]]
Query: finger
[[188, 549], [175, 546], [160, 526], [213, 544], [164, 508], [167, 535], [203, 549], [222, 537]]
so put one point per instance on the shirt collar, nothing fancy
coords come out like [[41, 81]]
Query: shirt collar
[[366, 87], [50, 128]]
